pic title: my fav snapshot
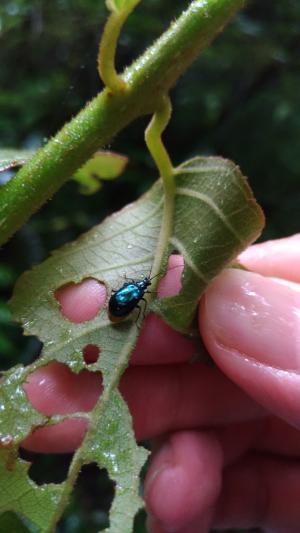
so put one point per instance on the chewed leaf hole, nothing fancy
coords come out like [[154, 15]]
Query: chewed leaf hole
[[50, 468], [80, 302], [93, 495], [171, 284], [91, 353]]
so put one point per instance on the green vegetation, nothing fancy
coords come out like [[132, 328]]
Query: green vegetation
[[240, 100]]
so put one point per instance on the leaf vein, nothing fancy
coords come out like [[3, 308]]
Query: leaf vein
[[179, 246], [208, 201]]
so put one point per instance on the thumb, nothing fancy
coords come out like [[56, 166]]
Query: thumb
[[251, 327]]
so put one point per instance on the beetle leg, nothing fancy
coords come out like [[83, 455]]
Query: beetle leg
[[129, 279], [145, 307], [139, 313]]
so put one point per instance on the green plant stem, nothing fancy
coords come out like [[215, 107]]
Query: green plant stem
[[161, 157], [148, 78], [154, 142], [107, 51]]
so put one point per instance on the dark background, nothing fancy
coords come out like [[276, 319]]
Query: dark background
[[241, 100]]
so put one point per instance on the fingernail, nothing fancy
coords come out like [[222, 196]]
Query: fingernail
[[162, 465], [255, 316]]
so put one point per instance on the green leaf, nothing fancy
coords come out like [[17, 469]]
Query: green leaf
[[11, 157], [123, 243], [106, 165], [17, 416], [121, 5], [19, 493], [215, 218], [103, 166], [111, 444]]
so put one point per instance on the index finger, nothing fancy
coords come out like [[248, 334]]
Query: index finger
[[279, 258]]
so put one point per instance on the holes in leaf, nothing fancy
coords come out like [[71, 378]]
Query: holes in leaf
[[140, 521], [93, 495], [80, 302], [55, 389], [50, 468], [91, 353]]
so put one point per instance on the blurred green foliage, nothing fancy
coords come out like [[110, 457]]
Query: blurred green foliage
[[241, 99]]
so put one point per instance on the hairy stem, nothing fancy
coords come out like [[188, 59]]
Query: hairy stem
[[154, 142], [107, 51], [148, 78]]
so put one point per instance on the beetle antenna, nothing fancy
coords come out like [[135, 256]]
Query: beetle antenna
[[172, 268]]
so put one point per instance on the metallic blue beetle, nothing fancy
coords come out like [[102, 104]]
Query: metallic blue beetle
[[127, 298]]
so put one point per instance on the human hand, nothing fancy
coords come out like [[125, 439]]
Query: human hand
[[226, 441]]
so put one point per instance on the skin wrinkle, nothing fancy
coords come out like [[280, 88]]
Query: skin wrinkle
[[237, 489], [252, 360], [202, 449], [188, 413], [270, 504], [161, 400], [249, 435], [252, 495], [270, 438], [262, 433], [280, 386], [263, 500], [178, 388], [165, 396], [279, 258], [253, 323], [272, 370]]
